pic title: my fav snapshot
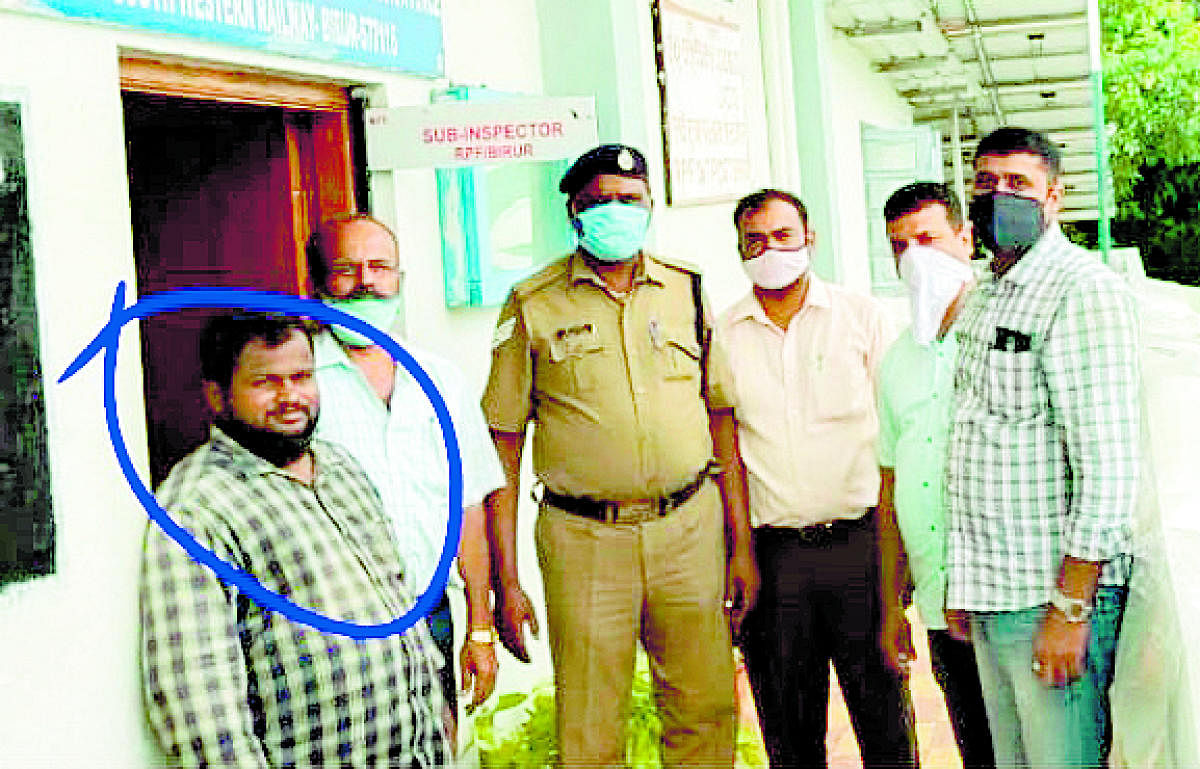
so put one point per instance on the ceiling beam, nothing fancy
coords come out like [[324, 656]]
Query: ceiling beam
[[949, 92], [1023, 24], [1013, 116], [1067, 133], [1047, 84], [890, 29], [919, 65]]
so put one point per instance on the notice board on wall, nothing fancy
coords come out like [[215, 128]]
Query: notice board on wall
[[26, 516], [703, 89]]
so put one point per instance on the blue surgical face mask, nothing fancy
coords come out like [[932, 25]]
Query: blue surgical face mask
[[380, 312], [612, 232]]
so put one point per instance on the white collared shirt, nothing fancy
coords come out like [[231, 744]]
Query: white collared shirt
[[402, 449], [805, 405]]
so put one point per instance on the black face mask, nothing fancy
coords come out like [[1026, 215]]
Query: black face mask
[[1007, 224], [279, 450]]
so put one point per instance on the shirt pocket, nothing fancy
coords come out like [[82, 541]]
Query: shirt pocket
[[1014, 388], [840, 387], [576, 363], [680, 359]]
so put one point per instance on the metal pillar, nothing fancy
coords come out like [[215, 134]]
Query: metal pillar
[[1096, 63], [960, 186]]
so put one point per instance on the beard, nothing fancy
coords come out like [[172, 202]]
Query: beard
[[280, 449]]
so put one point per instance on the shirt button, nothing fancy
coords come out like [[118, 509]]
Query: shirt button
[[933, 528], [925, 484], [929, 440], [935, 396]]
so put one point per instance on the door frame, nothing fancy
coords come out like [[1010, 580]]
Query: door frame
[[318, 107]]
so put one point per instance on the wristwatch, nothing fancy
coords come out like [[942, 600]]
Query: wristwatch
[[1075, 610], [483, 635]]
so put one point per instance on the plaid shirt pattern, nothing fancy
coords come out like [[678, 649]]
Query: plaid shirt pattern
[[1043, 456], [228, 683]]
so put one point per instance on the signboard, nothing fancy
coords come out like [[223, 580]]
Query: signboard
[[403, 35], [453, 134], [702, 82]]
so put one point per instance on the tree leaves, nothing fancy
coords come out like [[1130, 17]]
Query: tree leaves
[[1152, 104]]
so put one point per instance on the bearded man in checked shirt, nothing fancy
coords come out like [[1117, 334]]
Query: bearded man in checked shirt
[[230, 683], [1042, 465]]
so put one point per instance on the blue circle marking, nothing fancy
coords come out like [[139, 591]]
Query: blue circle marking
[[109, 340]]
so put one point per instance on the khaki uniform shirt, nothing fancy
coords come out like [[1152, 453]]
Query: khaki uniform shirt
[[805, 402], [611, 382]]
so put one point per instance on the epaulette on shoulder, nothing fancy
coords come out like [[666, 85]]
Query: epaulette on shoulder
[[677, 264], [542, 278]]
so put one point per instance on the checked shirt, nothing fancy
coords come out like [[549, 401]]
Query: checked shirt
[[228, 683], [1043, 455]]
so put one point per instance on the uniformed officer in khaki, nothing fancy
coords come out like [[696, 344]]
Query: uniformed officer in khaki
[[602, 351]]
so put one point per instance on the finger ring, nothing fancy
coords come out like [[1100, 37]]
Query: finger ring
[[729, 604], [1037, 666]]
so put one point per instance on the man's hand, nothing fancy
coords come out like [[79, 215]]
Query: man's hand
[[1059, 649], [741, 588], [895, 638], [479, 666], [958, 625], [513, 612]]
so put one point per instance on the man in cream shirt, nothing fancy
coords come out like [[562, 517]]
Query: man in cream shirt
[[803, 353]]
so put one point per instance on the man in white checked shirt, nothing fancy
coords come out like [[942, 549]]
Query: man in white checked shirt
[[1043, 464], [376, 410], [230, 683]]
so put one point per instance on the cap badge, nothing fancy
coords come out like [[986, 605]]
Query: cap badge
[[625, 160]]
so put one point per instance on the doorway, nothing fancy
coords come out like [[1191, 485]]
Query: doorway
[[224, 192]]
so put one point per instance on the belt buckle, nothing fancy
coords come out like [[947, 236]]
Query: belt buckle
[[636, 512], [817, 534]]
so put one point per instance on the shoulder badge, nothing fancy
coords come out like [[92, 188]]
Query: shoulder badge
[[542, 278], [504, 332], [677, 264]]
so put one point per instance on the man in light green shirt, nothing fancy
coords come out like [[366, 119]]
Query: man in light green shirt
[[932, 244]]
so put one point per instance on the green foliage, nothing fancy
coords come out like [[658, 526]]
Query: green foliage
[[1152, 88], [1152, 101], [518, 731], [1167, 228]]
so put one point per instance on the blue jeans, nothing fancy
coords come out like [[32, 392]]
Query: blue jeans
[[1035, 725]]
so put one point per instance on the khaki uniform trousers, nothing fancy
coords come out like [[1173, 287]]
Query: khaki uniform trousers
[[609, 585]]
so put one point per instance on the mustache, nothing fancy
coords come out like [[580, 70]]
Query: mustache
[[362, 292], [308, 410]]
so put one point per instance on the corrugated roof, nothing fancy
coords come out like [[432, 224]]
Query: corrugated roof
[[997, 62]]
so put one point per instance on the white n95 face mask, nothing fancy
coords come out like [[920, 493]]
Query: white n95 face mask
[[775, 268], [934, 280]]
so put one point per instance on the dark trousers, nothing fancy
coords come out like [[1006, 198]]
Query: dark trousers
[[441, 627], [819, 603], [955, 670]]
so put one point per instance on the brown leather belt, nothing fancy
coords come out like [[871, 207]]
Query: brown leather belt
[[637, 511]]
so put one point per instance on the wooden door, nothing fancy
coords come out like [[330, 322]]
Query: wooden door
[[222, 194]]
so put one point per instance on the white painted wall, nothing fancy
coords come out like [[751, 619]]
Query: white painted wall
[[862, 97], [70, 689], [70, 692]]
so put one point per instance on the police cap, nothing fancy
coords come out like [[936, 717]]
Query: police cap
[[616, 159]]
